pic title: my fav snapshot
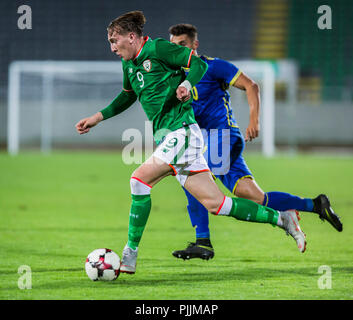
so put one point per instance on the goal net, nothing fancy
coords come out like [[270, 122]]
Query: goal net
[[47, 98]]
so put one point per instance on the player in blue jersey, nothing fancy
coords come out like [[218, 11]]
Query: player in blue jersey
[[212, 110]]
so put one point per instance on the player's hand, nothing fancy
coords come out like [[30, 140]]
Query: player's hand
[[183, 94], [84, 125], [252, 131]]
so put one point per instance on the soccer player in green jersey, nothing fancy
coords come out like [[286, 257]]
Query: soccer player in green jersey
[[153, 73]]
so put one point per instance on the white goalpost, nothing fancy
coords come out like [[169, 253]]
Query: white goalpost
[[47, 71], [81, 78], [263, 71]]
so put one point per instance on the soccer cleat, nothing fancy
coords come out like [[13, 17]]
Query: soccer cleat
[[290, 220], [322, 206], [195, 250], [128, 263]]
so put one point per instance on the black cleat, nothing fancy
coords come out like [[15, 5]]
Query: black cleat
[[322, 206], [195, 250]]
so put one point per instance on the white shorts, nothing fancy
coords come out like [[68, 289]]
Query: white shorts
[[182, 150]]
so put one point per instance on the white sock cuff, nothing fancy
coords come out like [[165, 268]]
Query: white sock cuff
[[138, 187], [225, 207]]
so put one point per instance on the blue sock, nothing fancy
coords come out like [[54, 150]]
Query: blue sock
[[284, 201], [198, 215]]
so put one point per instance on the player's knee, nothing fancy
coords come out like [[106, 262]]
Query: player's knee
[[139, 187]]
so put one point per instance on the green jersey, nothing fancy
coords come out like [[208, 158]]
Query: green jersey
[[153, 77]]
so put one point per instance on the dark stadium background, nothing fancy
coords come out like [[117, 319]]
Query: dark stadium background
[[233, 30]]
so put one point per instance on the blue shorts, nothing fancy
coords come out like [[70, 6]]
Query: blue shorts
[[224, 155]]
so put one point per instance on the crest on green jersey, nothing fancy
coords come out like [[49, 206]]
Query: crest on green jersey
[[147, 65]]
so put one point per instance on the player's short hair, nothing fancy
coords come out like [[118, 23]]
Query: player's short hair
[[184, 28], [132, 21]]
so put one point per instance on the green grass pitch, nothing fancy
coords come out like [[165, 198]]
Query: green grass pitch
[[56, 209]]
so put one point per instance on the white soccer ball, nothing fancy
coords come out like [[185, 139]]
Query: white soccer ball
[[102, 264]]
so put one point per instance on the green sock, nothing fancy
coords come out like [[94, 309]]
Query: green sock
[[247, 210], [140, 210]]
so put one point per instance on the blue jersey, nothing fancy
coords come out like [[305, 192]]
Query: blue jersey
[[212, 110], [211, 102]]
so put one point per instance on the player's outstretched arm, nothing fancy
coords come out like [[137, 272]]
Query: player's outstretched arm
[[84, 125], [253, 93], [123, 101]]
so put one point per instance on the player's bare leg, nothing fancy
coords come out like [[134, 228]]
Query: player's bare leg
[[152, 171], [202, 186]]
